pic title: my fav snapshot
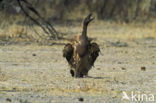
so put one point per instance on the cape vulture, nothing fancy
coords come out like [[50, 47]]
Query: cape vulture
[[81, 53]]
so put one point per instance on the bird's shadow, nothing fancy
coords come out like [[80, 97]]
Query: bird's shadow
[[96, 77], [99, 77]]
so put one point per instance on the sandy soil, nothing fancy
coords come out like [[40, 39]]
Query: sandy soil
[[39, 74]]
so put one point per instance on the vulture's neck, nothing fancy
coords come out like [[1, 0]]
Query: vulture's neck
[[84, 30]]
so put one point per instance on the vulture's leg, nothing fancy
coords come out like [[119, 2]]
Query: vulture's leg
[[78, 72], [93, 53], [80, 75]]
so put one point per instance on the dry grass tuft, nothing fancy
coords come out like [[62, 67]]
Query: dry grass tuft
[[3, 77], [16, 31], [124, 31]]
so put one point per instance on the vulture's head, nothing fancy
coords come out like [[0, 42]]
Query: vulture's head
[[88, 19]]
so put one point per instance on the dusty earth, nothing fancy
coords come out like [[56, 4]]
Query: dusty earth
[[38, 73]]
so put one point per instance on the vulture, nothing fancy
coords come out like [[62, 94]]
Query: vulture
[[81, 53]]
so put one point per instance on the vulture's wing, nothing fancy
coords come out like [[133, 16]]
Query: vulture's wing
[[68, 52], [93, 53]]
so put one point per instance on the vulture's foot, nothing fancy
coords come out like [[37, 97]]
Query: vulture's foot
[[73, 74], [78, 75]]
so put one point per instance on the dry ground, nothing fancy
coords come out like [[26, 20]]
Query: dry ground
[[38, 74]]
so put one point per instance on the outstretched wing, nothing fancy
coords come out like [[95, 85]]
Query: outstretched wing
[[93, 53], [68, 52]]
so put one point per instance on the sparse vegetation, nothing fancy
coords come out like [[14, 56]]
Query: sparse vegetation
[[110, 30], [139, 14]]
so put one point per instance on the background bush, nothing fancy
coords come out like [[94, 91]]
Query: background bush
[[117, 10]]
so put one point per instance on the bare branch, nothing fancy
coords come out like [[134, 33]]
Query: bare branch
[[48, 28]]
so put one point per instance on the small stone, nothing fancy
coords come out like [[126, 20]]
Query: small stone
[[34, 54], [81, 99], [8, 99], [98, 68], [119, 62], [13, 89], [143, 68], [123, 68]]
